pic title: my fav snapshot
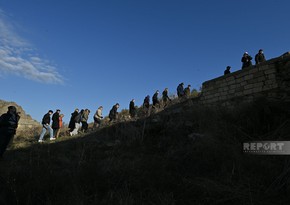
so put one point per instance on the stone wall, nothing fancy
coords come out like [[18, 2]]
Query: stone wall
[[270, 79]]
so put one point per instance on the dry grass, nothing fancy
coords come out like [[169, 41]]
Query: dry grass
[[185, 154]]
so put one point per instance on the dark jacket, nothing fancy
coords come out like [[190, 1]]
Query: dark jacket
[[246, 60], [259, 58], [71, 124], [227, 72], [146, 102], [46, 119], [180, 91], [113, 113], [9, 122], [155, 98], [78, 118], [132, 108], [55, 120]]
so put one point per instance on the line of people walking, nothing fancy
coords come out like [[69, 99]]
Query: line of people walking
[[78, 120]]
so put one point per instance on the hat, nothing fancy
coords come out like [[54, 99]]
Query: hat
[[50, 111], [228, 67], [246, 53]]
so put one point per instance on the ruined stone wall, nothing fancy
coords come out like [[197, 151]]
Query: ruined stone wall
[[270, 79]]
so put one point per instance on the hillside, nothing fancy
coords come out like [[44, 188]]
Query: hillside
[[185, 154]]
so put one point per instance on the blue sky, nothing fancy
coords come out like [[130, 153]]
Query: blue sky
[[71, 54]]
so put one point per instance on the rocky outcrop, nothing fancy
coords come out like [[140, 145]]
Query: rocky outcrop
[[26, 121]]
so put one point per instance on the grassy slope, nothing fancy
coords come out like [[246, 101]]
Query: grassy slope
[[186, 154]]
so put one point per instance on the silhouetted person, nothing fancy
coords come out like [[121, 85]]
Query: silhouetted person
[[46, 126], [155, 99], [132, 109], [146, 105], [227, 70], [114, 112], [246, 60], [55, 122], [259, 57], [8, 126], [77, 121], [98, 117], [60, 125], [84, 120], [187, 91], [180, 90], [71, 124], [165, 97]]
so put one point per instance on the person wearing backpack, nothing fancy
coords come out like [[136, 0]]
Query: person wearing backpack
[[8, 126]]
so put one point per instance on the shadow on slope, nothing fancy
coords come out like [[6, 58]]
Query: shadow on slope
[[186, 154]]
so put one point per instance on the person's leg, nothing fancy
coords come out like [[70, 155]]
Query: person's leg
[[57, 133], [4, 142], [75, 131], [86, 126], [95, 123], [43, 132], [50, 132]]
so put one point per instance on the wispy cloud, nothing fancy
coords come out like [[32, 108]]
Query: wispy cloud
[[18, 57]]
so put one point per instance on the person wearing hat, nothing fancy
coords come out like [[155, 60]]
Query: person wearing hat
[[8, 126], [227, 71], [46, 126], [246, 60], [259, 57]]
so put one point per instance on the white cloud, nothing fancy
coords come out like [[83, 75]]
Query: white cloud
[[17, 57]]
